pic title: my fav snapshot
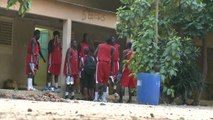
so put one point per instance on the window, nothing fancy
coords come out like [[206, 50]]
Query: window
[[6, 33]]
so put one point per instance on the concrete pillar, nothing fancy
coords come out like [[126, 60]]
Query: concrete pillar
[[67, 25]]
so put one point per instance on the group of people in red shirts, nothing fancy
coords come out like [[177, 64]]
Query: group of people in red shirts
[[92, 70]]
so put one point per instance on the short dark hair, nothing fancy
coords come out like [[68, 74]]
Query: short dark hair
[[36, 32], [56, 33], [129, 45], [109, 40], [86, 51]]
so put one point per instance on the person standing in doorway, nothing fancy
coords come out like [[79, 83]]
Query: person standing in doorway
[[55, 60], [104, 69], [85, 43], [71, 69], [127, 80], [32, 59], [40, 53]]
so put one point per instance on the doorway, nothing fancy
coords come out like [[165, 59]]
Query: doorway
[[41, 77], [46, 34]]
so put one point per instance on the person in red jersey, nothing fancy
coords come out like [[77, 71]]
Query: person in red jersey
[[32, 59], [127, 80], [104, 68], [116, 63], [71, 69], [55, 59], [86, 43]]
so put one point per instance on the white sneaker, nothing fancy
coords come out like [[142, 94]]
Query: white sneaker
[[32, 89], [95, 100], [104, 97], [96, 97], [104, 100]]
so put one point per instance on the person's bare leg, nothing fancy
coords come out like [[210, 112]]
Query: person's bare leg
[[33, 78], [56, 81], [121, 93], [91, 93], [49, 79], [77, 86], [86, 93], [72, 92], [130, 95], [67, 91]]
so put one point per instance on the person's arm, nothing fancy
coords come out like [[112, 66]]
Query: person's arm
[[50, 47], [40, 53], [124, 54], [79, 49], [96, 52], [81, 64], [92, 48], [123, 58], [112, 59], [69, 56]]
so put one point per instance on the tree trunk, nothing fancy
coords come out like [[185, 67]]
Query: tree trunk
[[205, 64], [204, 70], [156, 23]]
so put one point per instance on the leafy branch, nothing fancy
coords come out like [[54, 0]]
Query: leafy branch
[[24, 5]]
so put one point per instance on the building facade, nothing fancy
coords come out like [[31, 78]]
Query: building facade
[[69, 17]]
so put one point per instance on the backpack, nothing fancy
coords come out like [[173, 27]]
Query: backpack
[[89, 65]]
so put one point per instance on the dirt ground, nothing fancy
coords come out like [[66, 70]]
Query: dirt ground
[[11, 109], [39, 105]]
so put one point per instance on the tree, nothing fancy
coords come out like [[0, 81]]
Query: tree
[[197, 25], [165, 55], [25, 5]]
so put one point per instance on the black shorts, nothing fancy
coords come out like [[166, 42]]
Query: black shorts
[[87, 80]]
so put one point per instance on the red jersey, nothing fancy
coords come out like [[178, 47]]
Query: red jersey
[[116, 46], [83, 46], [73, 62], [56, 54], [30, 58], [29, 49], [129, 53], [128, 80], [104, 52]]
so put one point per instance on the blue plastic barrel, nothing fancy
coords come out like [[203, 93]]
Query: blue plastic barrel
[[148, 88]]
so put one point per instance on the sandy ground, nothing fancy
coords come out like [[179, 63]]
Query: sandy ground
[[84, 110]]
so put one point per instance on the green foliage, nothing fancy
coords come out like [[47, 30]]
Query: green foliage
[[179, 22], [188, 79], [188, 76], [25, 5], [199, 22]]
